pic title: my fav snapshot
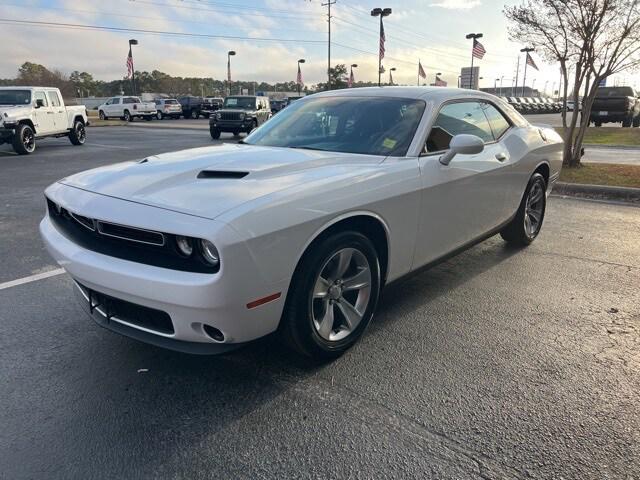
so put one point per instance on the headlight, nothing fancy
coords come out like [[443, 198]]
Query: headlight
[[185, 246], [242, 116], [209, 252], [218, 116]]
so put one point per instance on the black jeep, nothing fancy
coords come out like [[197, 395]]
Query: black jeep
[[240, 113]]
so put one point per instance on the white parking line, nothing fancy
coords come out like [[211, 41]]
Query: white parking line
[[31, 278], [91, 144]]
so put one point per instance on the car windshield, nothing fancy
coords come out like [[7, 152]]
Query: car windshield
[[366, 125], [615, 92], [240, 102], [15, 97]]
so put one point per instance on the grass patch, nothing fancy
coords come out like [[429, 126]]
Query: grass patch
[[614, 175], [610, 136]]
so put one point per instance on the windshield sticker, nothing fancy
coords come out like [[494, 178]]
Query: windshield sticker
[[232, 101], [389, 143]]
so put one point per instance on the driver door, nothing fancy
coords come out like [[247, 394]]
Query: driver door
[[44, 115], [467, 198]]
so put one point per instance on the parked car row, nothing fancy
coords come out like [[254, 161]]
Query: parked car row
[[535, 105], [130, 107]]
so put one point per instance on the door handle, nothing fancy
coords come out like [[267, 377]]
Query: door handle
[[501, 157], [49, 113]]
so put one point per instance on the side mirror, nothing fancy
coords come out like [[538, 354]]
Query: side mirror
[[39, 103], [462, 144]]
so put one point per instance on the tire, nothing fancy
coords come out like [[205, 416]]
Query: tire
[[636, 121], [313, 323], [127, 116], [195, 114], [159, 115], [597, 124], [78, 134], [626, 122], [236, 133], [24, 140], [102, 116], [521, 230], [215, 133]]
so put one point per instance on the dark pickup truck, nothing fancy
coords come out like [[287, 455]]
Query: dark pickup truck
[[616, 104]]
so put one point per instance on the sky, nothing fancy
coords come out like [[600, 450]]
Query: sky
[[432, 31]]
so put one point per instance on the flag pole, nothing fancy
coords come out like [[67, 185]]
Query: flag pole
[[473, 46]]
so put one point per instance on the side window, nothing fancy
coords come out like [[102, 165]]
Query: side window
[[54, 99], [457, 118], [498, 123], [41, 96]]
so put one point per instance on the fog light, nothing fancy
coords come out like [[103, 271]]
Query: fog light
[[185, 247], [209, 252]]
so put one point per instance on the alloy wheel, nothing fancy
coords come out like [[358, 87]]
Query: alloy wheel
[[81, 132], [533, 210], [341, 294], [28, 140]]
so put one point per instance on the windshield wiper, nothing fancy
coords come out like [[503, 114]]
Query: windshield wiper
[[303, 147]]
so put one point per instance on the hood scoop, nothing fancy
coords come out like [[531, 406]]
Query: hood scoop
[[221, 174]]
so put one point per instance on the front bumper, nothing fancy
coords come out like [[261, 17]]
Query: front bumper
[[230, 126], [191, 300]]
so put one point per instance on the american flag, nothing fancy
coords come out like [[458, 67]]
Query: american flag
[[439, 82], [421, 71], [129, 64], [530, 61], [351, 80], [478, 49], [382, 40], [299, 77]]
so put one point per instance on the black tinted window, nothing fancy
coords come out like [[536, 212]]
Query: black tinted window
[[459, 118], [615, 92]]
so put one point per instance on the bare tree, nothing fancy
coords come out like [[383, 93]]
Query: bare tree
[[592, 39]]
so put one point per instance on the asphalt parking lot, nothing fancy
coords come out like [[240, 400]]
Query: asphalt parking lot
[[498, 364]]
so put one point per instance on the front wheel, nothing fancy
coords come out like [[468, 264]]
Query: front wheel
[[78, 134], [526, 225], [24, 140], [194, 114], [333, 295], [215, 133], [102, 116]]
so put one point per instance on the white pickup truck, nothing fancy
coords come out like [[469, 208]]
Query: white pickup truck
[[30, 113], [127, 108]]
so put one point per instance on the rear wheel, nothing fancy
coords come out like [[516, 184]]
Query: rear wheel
[[159, 115], [333, 295], [78, 134], [24, 140], [215, 133], [526, 225], [127, 116], [636, 121]]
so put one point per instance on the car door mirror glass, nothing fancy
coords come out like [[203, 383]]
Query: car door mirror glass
[[463, 144]]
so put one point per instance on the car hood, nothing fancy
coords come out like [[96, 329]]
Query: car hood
[[209, 181], [14, 111]]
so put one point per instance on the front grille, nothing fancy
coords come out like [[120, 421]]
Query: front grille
[[233, 116], [132, 234], [120, 310], [128, 243]]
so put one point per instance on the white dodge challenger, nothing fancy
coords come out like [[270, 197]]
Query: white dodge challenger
[[296, 229]]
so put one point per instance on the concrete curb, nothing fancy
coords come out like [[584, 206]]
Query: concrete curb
[[625, 194], [611, 147]]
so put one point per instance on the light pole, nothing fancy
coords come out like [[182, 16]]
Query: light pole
[[524, 80], [475, 37], [299, 77], [533, 86], [381, 12], [132, 42], [230, 54], [392, 69], [501, 80], [495, 85], [546, 84], [351, 79]]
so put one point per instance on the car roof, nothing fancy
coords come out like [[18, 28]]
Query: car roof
[[437, 94], [25, 87]]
